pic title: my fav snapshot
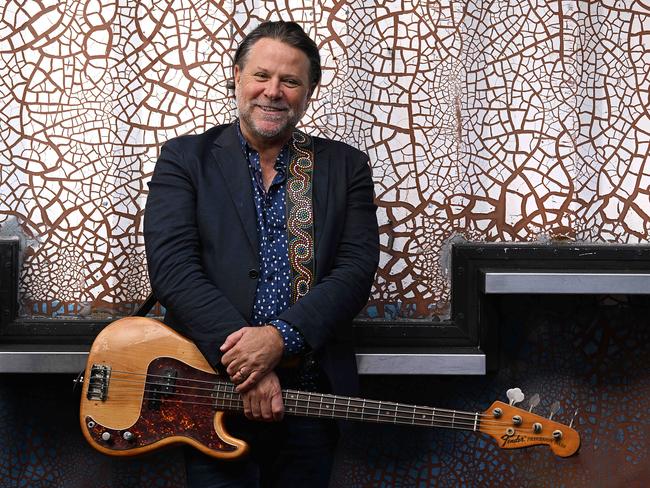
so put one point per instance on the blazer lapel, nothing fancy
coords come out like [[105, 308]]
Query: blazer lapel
[[231, 162]]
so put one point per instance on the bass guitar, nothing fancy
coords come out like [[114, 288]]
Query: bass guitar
[[145, 386]]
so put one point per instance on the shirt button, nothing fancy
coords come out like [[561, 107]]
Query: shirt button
[[253, 274]]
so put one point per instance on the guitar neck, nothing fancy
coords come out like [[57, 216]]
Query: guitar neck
[[310, 404]]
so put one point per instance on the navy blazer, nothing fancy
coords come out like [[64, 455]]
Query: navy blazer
[[202, 247]]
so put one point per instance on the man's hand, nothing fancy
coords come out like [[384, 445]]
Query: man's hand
[[264, 400], [251, 353]]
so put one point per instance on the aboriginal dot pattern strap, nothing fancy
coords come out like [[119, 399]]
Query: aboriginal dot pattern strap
[[300, 214]]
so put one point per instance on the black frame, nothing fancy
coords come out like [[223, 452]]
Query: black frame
[[8, 281], [473, 308], [473, 321]]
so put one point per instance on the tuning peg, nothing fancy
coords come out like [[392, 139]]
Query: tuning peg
[[555, 408], [573, 418], [515, 395], [533, 402]]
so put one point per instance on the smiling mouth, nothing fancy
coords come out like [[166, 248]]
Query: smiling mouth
[[270, 109]]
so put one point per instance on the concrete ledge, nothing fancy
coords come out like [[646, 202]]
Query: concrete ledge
[[438, 361], [24, 358], [566, 282], [42, 358]]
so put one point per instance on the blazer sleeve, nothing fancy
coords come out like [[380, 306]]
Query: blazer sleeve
[[325, 313], [195, 305]]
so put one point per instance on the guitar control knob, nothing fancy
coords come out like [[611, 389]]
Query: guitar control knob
[[106, 436], [557, 435], [516, 420], [128, 436], [497, 412], [537, 427]]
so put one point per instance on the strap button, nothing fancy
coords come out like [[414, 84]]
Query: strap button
[[253, 274]]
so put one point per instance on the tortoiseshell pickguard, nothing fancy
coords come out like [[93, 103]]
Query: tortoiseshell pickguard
[[186, 412]]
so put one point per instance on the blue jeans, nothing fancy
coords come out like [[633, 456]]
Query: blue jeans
[[296, 452]]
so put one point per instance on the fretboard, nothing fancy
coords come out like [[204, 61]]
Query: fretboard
[[309, 404]]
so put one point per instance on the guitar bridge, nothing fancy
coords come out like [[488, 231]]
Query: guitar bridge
[[98, 382]]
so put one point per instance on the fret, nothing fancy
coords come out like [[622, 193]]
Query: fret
[[221, 398], [357, 410], [226, 397], [378, 410], [221, 395], [218, 395], [347, 409], [291, 408], [475, 420], [413, 415], [421, 415], [433, 415], [453, 418], [233, 403], [363, 408], [395, 413], [327, 405], [215, 403]]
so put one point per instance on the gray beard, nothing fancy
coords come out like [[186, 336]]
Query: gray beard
[[267, 133], [288, 126]]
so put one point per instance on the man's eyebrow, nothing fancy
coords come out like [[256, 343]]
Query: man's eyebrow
[[283, 76]]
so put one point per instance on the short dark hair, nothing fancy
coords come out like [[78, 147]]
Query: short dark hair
[[288, 32]]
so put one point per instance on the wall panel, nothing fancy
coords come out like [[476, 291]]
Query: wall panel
[[489, 121]]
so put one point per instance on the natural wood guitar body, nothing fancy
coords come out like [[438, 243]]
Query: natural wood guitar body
[[132, 347]]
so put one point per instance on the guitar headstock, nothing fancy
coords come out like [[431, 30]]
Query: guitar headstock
[[514, 428]]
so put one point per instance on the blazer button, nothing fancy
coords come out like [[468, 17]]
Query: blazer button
[[253, 274]]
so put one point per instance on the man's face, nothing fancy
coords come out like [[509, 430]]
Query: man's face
[[272, 91]]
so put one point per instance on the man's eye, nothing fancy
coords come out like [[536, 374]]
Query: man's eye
[[291, 82], [261, 76]]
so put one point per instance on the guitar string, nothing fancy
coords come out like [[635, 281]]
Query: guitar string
[[405, 414], [316, 409], [231, 387], [342, 402], [408, 412], [416, 422]]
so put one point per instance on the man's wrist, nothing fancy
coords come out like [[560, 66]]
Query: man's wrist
[[294, 342]]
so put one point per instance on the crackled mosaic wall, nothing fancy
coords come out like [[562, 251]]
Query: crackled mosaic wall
[[485, 120]]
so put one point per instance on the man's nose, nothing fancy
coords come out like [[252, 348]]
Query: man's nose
[[273, 89]]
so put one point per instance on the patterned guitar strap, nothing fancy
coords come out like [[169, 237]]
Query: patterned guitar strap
[[300, 214]]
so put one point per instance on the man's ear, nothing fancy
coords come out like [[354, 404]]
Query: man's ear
[[236, 74], [310, 94]]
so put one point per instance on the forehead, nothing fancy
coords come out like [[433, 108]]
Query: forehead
[[271, 54]]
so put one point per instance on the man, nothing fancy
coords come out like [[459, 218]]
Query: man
[[262, 245]]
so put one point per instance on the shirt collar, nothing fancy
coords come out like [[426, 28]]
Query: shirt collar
[[252, 155]]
